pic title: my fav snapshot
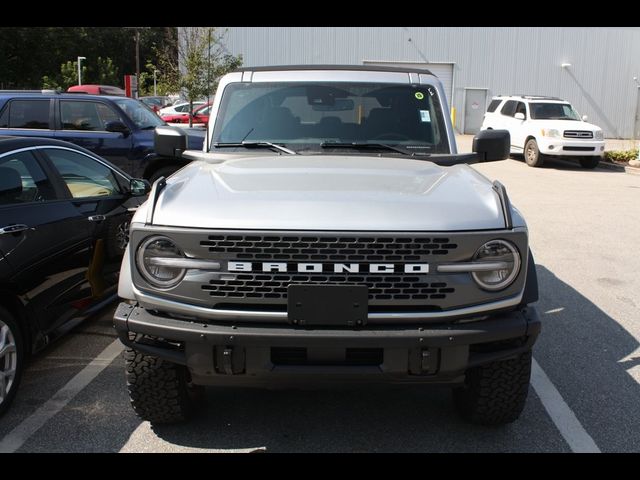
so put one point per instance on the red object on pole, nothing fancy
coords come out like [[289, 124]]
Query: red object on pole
[[131, 86]]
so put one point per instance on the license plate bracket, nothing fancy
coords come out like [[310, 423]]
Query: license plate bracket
[[328, 305]]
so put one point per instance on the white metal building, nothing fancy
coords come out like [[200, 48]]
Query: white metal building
[[593, 68]]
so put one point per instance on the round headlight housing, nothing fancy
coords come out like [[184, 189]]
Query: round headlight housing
[[504, 257], [151, 259]]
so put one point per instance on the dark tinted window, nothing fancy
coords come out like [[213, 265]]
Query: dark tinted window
[[509, 108], [79, 115], [309, 114], [4, 117], [493, 105], [521, 108], [22, 180], [84, 176], [29, 114]]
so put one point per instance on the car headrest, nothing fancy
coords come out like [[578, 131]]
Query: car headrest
[[10, 182]]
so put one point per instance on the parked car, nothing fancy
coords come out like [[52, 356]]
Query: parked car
[[179, 108], [329, 232], [200, 116], [97, 90], [155, 103], [542, 127], [64, 225], [121, 129]]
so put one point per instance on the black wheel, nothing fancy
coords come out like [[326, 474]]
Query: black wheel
[[495, 394], [11, 358], [589, 162], [160, 391], [532, 154], [117, 235], [163, 172]]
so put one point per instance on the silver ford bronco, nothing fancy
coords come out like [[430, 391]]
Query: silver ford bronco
[[329, 232]]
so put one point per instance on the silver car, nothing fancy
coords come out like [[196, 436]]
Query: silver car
[[329, 232]]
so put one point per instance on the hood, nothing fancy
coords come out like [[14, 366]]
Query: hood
[[321, 192], [568, 125]]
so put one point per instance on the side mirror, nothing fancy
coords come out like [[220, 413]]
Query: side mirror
[[169, 141], [139, 187], [584, 118], [519, 116], [117, 126], [492, 145]]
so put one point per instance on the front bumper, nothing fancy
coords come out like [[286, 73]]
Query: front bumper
[[242, 354], [570, 147]]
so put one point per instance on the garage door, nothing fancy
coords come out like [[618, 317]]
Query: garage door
[[444, 72]]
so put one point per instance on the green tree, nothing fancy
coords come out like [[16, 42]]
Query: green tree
[[106, 72], [67, 77], [194, 63]]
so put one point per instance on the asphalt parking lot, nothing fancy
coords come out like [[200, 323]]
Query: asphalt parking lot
[[585, 234]]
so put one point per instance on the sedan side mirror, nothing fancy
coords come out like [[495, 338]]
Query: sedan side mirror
[[117, 126], [492, 145], [169, 141], [139, 187], [519, 116]]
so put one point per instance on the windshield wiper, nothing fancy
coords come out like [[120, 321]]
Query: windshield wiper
[[363, 145], [273, 146]]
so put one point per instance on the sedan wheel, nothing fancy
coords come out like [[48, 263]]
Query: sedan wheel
[[10, 358]]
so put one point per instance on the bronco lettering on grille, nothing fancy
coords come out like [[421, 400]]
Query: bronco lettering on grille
[[328, 267]]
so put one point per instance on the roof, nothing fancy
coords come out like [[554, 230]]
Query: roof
[[531, 97], [365, 68], [54, 94], [12, 142]]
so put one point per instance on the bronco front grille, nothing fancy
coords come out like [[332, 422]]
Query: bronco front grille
[[381, 287], [578, 134], [330, 248]]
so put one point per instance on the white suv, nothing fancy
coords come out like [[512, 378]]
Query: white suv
[[545, 126]]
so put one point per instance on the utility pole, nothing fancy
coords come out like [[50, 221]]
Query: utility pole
[[137, 37]]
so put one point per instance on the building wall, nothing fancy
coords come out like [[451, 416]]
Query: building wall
[[599, 82]]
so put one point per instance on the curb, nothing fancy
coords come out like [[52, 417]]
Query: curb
[[619, 168]]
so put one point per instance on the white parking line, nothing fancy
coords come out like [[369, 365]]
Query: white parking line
[[20, 434], [563, 417]]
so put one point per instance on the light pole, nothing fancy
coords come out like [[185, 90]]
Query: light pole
[[155, 89], [79, 70]]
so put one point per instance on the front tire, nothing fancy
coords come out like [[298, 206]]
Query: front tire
[[589, 162], [159, 390], [11, 358], [496, 393], [532, 154]]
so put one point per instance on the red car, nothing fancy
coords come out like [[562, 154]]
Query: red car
[[97, 90], [200, 115]]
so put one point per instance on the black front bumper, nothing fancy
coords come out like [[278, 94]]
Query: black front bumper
[[238, 354]]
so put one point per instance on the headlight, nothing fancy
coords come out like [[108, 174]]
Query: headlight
[[505, 256], [551, 132], [598, 135], [151, 259]]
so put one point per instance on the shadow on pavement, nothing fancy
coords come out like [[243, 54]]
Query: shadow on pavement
[[562, 164]]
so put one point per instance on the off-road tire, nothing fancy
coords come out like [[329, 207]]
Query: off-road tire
[[496, 393], [16, 334], [589, 162], [159, 391], [532, 154]]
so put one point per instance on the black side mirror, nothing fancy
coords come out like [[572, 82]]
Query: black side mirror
[[139, 187], [169, 141], [117, 126], [492, 145]]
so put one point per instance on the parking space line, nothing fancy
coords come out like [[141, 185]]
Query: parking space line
[[21, 433], [562, 416]]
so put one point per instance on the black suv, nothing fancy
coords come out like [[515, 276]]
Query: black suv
[[119, 129]]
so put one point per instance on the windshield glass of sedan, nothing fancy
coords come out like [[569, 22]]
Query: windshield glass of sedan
[[304, 115], [141, 115], [553, 111]]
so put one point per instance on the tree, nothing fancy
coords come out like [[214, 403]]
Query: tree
[[192, 63], [67, 77], [106, 72]]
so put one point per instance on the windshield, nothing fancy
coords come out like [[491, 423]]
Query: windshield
[[553, 111], [304, 116], [139, 113]]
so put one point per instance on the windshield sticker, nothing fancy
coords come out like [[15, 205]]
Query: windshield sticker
[[431, 92], [425, 116], [419, 95]]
